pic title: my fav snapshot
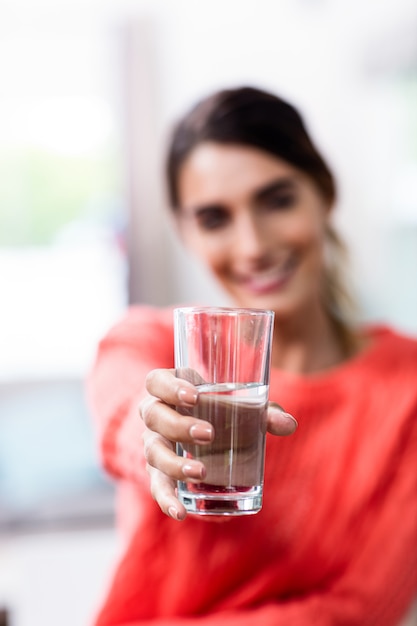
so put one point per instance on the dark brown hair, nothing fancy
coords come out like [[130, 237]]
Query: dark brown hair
[[250, 117]]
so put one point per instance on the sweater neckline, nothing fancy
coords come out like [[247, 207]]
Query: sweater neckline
[[378, 336]]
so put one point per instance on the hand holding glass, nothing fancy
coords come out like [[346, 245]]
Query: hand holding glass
[[226, 353]]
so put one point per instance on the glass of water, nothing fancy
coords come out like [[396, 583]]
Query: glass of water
[[226, 354]]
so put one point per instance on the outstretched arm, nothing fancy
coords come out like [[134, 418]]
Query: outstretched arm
[[125, 384]]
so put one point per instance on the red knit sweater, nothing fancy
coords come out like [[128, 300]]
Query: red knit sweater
[[336, 540]]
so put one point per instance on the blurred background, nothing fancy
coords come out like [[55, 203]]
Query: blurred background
[[88, 92]]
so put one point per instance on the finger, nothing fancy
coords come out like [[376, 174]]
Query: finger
[[163, 384], [160, 454], [279, 422], [163, 419], [163, 492]]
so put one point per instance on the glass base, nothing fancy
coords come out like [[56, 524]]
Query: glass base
[[248, 503]]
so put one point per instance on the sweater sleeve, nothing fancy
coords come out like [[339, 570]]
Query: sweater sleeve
[[116, 384], [377, 586]]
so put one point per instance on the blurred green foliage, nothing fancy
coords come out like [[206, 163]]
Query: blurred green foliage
[[41, 192]]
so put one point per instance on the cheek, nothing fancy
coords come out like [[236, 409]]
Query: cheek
[[307, 242], [307, 237], [207, 250]]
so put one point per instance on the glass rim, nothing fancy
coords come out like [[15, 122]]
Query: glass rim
[[224, 310]]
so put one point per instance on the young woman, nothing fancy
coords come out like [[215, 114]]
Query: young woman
[[336, 540]]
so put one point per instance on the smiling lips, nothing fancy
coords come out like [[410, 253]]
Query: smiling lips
[[269, 280]]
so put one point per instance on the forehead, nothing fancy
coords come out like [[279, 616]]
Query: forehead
[[220, 172]]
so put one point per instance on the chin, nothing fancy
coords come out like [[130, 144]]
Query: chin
[[279, 304], [286, 302]]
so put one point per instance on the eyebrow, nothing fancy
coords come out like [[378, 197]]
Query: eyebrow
[[197, 211], [282, 185]]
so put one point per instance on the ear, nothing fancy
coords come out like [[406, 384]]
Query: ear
[[328, 213], [329, 209]]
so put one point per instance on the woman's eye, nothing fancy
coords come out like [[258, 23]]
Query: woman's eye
[[280, 201], [211, 219]]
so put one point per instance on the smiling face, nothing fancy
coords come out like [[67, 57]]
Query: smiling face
[[257, 223]]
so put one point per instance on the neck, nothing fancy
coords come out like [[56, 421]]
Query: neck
[[306, 344]]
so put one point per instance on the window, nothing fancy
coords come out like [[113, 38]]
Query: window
[[62, 262]]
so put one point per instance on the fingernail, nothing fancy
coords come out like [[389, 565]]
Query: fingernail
[[286, 416], [187, 396], [172, 512], [176, 515], [201, 434], [290, 417], [282, 413], [194, 471]]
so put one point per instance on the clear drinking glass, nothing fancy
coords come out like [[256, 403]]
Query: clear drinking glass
[[226, 353]]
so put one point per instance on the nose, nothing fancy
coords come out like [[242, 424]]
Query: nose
[[251, 241]]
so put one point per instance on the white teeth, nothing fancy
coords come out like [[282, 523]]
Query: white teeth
[[266, 280], [272, 274], [270, 278]]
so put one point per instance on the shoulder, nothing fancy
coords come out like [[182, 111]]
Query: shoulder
[[389, 370], [141, 326], [140, 318], [392, 348]]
